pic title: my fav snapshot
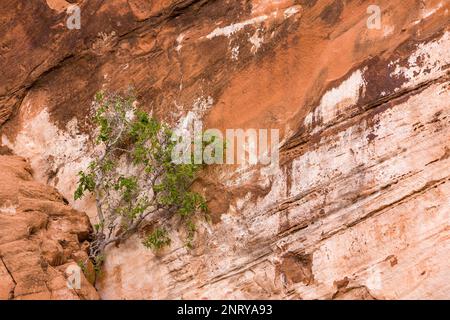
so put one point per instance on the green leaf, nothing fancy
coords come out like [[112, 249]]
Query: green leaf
[[158, 239], [85, 183]]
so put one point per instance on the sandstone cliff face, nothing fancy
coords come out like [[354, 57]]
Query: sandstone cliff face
[[359, 207], [40, 238]]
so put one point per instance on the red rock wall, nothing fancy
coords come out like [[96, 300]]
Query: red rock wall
[[359, 206]]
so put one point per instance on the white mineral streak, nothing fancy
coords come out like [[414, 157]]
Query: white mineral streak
[[337, 100], [428, 62]]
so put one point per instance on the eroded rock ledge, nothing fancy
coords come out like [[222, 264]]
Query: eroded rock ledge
[[40, 237]]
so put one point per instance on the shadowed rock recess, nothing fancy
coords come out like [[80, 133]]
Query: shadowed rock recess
[[359, 207]]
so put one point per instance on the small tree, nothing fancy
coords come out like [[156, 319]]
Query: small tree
[[134, 179]]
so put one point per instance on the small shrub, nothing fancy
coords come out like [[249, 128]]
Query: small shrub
[[151, 188]]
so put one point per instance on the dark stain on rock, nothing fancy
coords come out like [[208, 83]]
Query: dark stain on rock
[[378, 75], [392, 260], [307, 3], [287, 168], [4, 150], [342, 283], [371, 136], [297, 267], [331, 14]]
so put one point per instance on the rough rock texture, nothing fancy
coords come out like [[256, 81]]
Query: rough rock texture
[[40, 237], [359, 207]]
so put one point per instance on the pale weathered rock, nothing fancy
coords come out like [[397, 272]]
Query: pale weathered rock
[[359, 207]]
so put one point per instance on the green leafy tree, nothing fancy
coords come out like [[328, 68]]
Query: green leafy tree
[[133, 178]]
